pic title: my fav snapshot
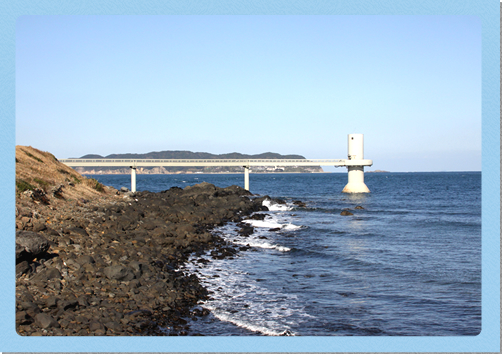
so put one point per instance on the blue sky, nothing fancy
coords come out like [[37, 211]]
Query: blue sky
[[252, 84]]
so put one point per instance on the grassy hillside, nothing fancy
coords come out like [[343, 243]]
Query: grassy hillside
[[38, 170]]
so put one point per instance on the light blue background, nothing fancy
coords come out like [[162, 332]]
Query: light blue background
[[487, 341]]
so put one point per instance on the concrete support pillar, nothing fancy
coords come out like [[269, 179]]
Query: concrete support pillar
[[246, 177], [356, 180], [133, 179], [355, 172]]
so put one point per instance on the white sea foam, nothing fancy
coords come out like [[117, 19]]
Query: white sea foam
[[291, 227], [275, 206], [271, 222], [260, 244], [241, 299], [240, 295], [228, 317]]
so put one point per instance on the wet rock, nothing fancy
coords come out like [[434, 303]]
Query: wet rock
[[358, 207], [246, 229], [278, 201], [257, 217], [346, 213]]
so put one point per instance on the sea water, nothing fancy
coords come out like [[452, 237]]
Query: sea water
[[407, 264]]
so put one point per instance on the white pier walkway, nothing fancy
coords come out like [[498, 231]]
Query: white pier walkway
[[354, 163]]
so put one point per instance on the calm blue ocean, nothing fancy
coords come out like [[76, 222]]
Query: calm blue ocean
[[408, 264]]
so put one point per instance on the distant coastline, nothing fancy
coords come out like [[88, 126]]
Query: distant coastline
[[168, 154], [127, 172]]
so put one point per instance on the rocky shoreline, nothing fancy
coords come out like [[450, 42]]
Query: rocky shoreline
[[111, 266]]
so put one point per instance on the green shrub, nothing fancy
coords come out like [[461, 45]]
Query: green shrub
[[96, 185], [23, 186], [32, 156], [41, 182]]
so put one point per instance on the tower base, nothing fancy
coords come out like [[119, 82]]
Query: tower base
[[356, 180], [355, 188]]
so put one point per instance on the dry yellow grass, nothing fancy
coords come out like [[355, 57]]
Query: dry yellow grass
[[39, 169]]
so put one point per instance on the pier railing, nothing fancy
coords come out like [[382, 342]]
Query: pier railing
[[211, 162]]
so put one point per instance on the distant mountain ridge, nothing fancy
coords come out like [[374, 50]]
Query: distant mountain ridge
[[185, 155], [192, 155]]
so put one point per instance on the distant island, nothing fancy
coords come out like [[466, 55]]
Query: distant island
[[196, 155]]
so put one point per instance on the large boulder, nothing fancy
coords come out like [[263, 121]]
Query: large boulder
[[30, 245], [201, 188], [233, 189]]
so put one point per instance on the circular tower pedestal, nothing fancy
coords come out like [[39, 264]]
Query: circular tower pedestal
[[356, 180]]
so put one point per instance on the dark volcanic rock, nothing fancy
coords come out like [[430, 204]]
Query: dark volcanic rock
[[299, 203], [46, 321], [257, 217], [22, 268], [346, 213], [119, 273], [77, 231], [278, 201], [245, 229], [86, 259], [30, 244], [114, 268]]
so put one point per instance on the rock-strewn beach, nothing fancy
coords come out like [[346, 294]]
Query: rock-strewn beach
[[100, 261]]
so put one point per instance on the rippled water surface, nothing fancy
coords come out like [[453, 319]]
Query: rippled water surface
[[408, 263]]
